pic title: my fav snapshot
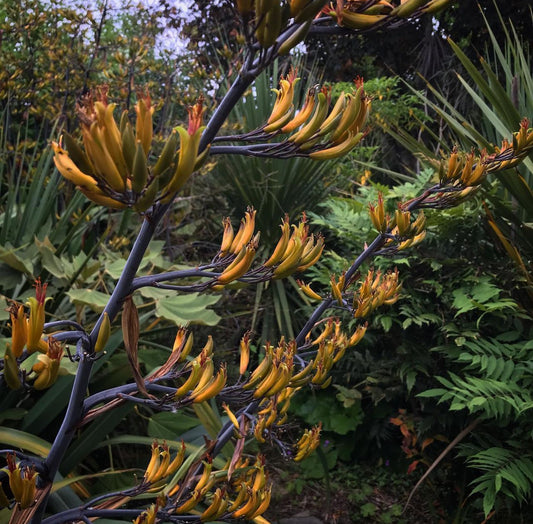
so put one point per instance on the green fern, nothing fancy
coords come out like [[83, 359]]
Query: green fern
[[496, 378], [495, 384], [509, 471]]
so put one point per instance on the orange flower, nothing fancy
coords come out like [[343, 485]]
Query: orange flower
[[36, 321], [47, 368], [21, 482], [19, 329]]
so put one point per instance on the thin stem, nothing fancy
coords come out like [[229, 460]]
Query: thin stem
[[72, 416], [151, 280], [312, 320], [74, 412], [113, 393], [328, 302], [257, 150], [123, 287], [62, 323], [367, 253], [72, 336], [78, 514]]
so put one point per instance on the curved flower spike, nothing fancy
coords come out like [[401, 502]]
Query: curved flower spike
[[188, 153]]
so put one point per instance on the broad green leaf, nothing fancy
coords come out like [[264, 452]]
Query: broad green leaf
[[462, 302], [188, 309], [71, 480], [473, 72], [498, 482], [96, 300], [68, 367], [91, 435], [484, 291], [156, 294], [115, 268], [519, 189], [49, 405], [430, 393], [135, 439], [489, 498], [154, 255], [487, 111], [16, 261], [49, 261], [12, 414], [4, 315], [507, 109], [386, 323], [209, 418], [368, 510], [410, 380], [476, 402]]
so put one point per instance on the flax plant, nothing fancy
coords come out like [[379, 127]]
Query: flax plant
[[113, 167]]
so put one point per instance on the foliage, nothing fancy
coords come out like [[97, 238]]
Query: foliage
[[459, 313], [491, 380], [501, 93], [70, 380], [53, 53]]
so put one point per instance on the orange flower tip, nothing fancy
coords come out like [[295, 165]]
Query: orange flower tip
[[101, 94], [40, 291], [292, 75], [55, 351], [359, 81], [196, 113], [326, 91], [144, 95], [11, 462]]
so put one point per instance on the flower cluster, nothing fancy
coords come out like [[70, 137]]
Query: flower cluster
[[239, 493], [27, 334], [21, 483], [113, 168], [315, 131], [296, 251]]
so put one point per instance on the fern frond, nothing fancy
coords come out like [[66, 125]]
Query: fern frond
[[505, 470]]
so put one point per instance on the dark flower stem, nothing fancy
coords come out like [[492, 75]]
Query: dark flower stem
[[75, 409]]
